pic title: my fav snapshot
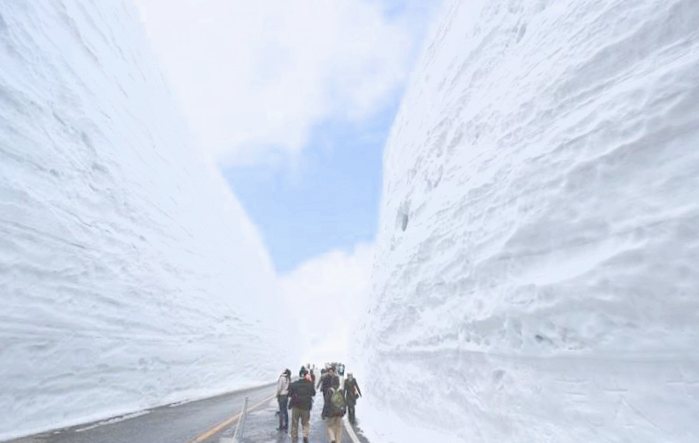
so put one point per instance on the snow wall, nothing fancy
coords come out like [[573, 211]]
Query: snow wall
[[130, 276], [536, 273]]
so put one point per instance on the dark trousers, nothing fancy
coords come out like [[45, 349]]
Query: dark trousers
[[350, 412], [283, 411]]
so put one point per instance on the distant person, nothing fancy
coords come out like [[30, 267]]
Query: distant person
[[333, 411], [319, 384], [301, 393], [352, 393], [282, 399], [313, 377], [307, 374], [330, 380], [322, 376]]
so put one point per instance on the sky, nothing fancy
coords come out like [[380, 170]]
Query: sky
[[294, 100], [328, 199]]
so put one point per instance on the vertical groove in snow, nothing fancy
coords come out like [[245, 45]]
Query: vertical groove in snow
[[545, 287]]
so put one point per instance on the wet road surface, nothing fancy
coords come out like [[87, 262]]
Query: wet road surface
[[260, 427], [196, 422], [178, 423]]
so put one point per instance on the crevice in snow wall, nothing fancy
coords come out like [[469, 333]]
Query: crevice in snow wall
[[545, 287], [130, 276]]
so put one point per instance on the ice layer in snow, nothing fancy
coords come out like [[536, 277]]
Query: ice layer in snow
[[536, 268], [130, 276]]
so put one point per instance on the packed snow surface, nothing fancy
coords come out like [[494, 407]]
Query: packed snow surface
[[129, 274], [536, 272]]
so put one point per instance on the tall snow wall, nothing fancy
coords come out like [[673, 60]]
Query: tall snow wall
[[130, 276], [536, 273]]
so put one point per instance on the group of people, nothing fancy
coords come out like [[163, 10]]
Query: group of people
[[298, 396]]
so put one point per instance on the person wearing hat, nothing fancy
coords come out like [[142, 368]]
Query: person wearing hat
[[282, 398], [301, 393]]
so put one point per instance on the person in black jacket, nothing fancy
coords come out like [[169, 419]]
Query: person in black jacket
[[329, 380], [352, 392], [301, 393]]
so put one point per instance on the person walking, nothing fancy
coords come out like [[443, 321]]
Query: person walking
[[328, 381], [352, 393], [331, 380], [282, 399], [301, 393], [333, 411], [322, 376]]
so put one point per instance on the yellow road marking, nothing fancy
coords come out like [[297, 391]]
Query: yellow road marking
[[229, 421]]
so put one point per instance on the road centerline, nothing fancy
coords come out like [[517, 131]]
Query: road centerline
[[227, 422]]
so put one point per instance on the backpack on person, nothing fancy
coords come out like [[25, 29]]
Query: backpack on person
[[338, 405]]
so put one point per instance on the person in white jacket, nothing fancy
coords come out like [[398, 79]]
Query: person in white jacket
[[282, 399]]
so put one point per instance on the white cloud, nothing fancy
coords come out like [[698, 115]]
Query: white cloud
[[254, 77], [327, 296]]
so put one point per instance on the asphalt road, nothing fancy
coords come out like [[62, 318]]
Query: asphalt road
[[194, 422], [178, 423], [260, 427]]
